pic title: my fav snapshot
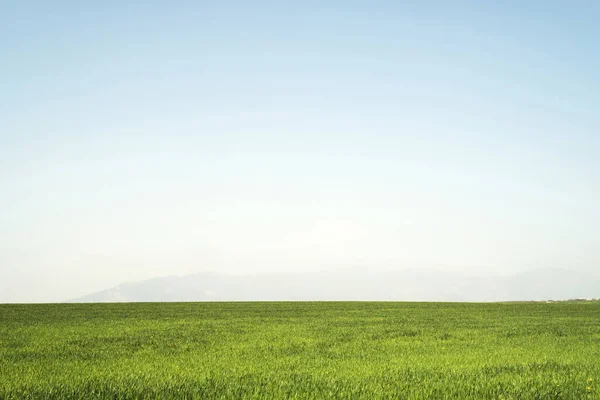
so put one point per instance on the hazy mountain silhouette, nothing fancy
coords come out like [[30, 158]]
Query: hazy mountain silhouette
[[356, 284]]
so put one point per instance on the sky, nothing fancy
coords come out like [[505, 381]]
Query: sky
[[144, 139]]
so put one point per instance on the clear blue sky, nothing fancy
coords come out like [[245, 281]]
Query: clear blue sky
[[140, 139]]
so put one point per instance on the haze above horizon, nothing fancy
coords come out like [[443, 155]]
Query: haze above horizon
[[140, 139]]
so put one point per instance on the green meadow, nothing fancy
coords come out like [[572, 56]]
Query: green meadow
[[340, 350]]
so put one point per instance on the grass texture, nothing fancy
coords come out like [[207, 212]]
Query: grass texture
[[338, 350]]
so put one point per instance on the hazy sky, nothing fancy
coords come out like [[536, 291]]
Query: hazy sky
[[149, 138]]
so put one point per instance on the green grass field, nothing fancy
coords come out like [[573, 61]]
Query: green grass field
[[301, 350]]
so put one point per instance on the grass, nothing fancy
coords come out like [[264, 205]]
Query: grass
[[300, 351]]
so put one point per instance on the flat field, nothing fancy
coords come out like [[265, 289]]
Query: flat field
[[300, 350]]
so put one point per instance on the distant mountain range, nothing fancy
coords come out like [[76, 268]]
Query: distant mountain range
[[356, 284]]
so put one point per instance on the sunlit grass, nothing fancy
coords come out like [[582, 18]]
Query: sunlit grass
[[300, 350]]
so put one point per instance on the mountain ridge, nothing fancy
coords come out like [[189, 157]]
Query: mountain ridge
[[355, 285]]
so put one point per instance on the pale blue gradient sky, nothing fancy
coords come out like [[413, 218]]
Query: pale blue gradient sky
[[140, 139]]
